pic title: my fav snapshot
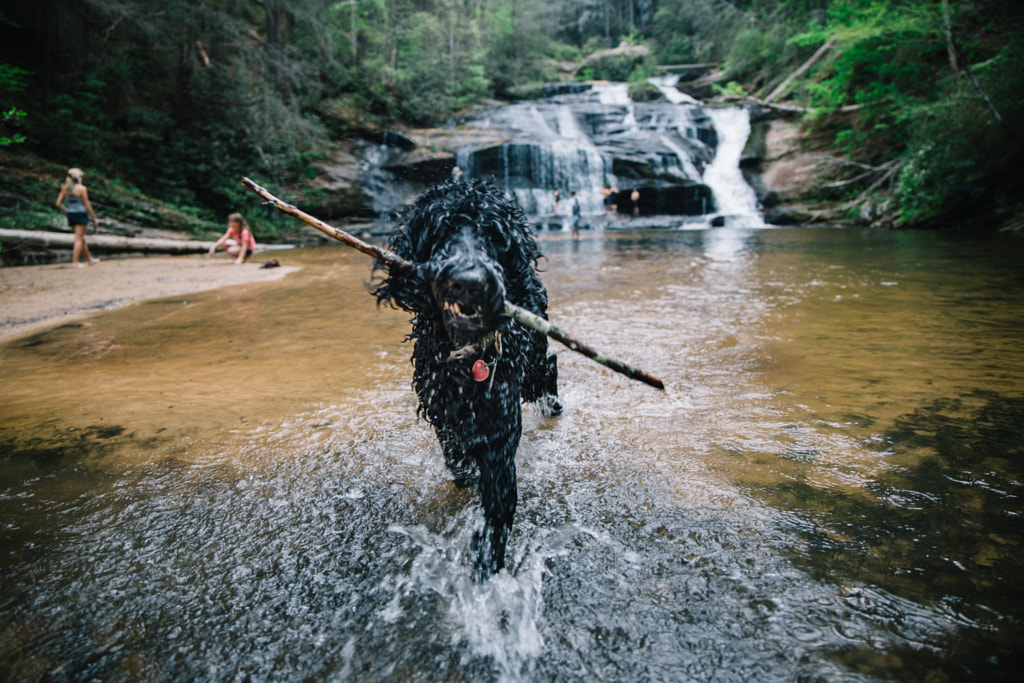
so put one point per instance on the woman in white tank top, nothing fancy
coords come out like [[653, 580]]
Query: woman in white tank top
[[78, 209]]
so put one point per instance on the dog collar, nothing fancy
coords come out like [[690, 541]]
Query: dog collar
[[478, 349], [481, 369]]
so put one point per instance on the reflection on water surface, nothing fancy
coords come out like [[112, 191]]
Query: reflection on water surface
[[233, 484]]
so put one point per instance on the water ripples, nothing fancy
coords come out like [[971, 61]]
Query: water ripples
[[804, 502]]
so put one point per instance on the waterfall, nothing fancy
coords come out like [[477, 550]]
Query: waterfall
[[681, 157], [667, 85], [552, 150], [735, 199]]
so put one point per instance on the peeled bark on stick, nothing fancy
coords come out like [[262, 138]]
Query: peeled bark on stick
[[392, 260]]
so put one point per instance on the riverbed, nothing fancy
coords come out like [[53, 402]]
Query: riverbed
[[233, 484]]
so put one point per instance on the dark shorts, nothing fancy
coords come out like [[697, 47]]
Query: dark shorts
[[77, 218]]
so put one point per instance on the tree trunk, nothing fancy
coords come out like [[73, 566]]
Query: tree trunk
[[947, 29], [275, 18], [607, 25], [185, 67], [451, 41], [354, 35]]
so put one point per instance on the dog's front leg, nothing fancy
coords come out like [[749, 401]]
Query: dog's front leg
[[494, 449], [550, 403]]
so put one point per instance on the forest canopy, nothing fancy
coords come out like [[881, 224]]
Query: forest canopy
[[181, 97]]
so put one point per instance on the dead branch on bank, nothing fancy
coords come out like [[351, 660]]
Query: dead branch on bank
[[801, 71], [889, 175], [885, 169]]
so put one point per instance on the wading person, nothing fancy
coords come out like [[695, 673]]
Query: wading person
[[78, 210], [575, 202], [237, 240]]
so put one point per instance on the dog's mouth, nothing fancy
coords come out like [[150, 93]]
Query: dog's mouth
[[465, 321], [471, 303], [469, 290], [463, 315]]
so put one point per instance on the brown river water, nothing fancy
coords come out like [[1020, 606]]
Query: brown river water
[[233, 485]]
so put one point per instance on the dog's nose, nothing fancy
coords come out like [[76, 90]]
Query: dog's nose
[[469, 282], [471, 289]]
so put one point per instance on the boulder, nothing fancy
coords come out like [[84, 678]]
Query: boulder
[[785, 168], [337, 191]]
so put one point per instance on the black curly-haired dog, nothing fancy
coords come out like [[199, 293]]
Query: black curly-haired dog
[[473, 249]]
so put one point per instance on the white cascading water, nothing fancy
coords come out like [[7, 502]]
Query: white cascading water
[[735, 199], [667, 85], [578, 141], [559, 154]]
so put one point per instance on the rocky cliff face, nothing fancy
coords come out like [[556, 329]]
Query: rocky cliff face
[[584, 141], [576, 138], [792, 172]]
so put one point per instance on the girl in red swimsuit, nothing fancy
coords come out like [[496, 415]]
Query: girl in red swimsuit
[[238, 239]]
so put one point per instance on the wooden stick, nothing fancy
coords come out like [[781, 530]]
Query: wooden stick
[[531, 319], [524, 316], [391, 259]]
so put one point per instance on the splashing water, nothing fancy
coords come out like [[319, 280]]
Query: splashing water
[[498, 619]]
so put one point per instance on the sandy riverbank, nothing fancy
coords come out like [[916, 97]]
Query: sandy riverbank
[[36, 297]]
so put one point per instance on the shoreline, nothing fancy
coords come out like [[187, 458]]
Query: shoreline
[[33, 298]]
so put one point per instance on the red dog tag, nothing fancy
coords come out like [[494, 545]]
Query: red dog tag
[[481, 371]]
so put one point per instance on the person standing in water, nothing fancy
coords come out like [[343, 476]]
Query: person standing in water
[[238, 239], [78, 210], [575, 202]]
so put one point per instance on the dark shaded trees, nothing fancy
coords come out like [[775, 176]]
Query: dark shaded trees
[[181, 97]]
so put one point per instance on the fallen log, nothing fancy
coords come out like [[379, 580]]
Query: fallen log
[[799, 72], [106, 243], [687, 67], [797, 109], [392, 260]]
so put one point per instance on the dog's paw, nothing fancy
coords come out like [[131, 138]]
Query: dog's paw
[[465, 477], [550, 405]]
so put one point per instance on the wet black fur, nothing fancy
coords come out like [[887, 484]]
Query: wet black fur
[[478, 423]]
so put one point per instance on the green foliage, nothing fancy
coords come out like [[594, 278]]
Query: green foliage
[[644, 91], [186, 96], [961, 160], [732, 89], [629, 64], [891, 58], [12, 79], [75, 121], [758, 55], [890, 68], [748, 38]]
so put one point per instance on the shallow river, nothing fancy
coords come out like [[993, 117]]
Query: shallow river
[[233, 485]]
